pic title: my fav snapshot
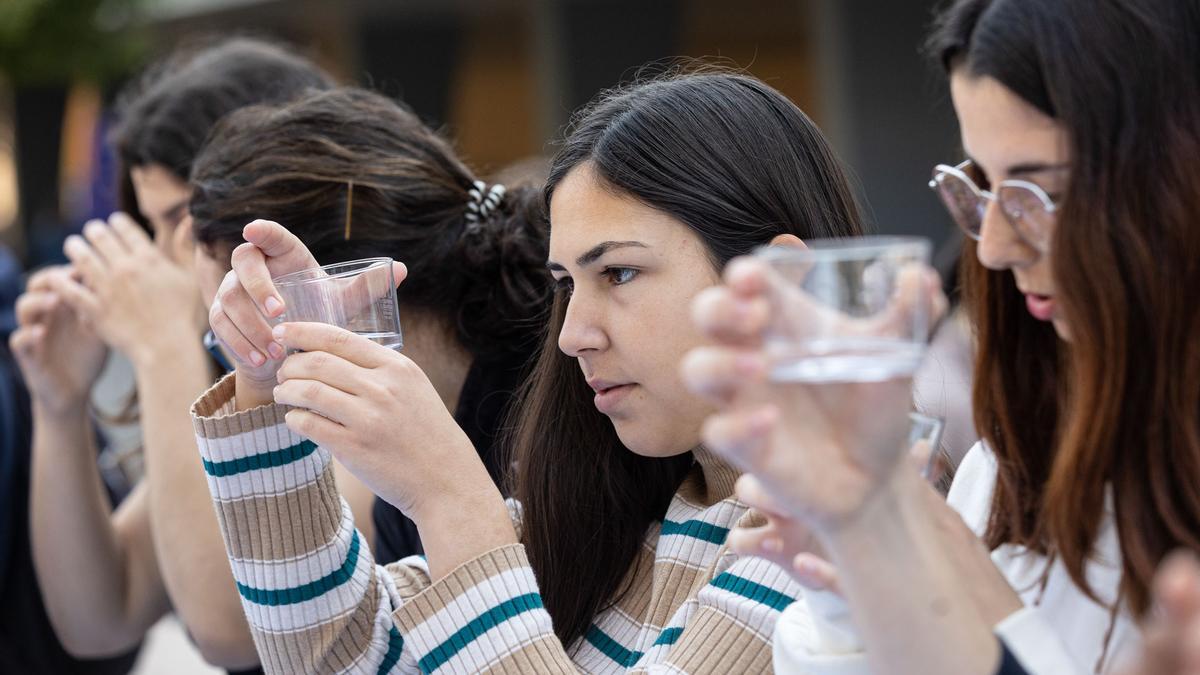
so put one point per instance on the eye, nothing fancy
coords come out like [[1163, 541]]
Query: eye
[[564, 284], [618, 276]]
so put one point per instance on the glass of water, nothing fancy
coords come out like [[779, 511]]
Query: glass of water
[[359, 296], [852, 310]]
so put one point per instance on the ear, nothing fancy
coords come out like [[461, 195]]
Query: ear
[[788, 240]]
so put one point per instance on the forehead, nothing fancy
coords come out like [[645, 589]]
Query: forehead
[[157, 188], [584, 212], [1000, 129]]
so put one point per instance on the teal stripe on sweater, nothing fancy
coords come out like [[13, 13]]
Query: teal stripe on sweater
[[696, 529], [263, 460], [395, 646], [291, 596], [611, 648], [752, 591], [481, 624], [669, 636]]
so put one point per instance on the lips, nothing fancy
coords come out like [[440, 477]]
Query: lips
[[609, 394], [1040, 306]]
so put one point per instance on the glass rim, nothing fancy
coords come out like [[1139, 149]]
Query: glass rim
[[331, 271], [849, 248]]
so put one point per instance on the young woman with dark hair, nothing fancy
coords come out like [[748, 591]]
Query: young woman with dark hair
[[1080, 197], [106, 577], [616, 561], [354, 175]]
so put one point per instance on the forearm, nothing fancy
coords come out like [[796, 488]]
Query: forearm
[[459, 528], [187, 540], [912, 607], [97, 604]]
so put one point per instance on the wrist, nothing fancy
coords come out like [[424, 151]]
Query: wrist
[[48, 411], [250, 391], [166, 348]]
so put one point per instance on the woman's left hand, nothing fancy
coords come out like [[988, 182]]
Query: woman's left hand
[[380, 416], [137, 300]]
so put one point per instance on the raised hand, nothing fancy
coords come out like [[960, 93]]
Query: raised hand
[[379, 415], [820, 450], [59, 355], [137, 299], [247, 303]]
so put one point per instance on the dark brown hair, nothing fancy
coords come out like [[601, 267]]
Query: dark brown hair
[[353, 175], [1119, 408], [164, 117], [738, 163]]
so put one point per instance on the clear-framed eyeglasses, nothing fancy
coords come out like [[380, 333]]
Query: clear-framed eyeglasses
[[1026, 206]]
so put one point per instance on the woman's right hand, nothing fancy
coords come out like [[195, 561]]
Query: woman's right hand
[[59, 355], [247, 304]]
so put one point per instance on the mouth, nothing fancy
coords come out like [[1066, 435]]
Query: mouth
[[1040, 306], [609, 394]]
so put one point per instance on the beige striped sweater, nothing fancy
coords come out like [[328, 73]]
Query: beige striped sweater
[[317, 603]]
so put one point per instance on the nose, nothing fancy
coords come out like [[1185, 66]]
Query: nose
[[1000, 247], [583, 327]]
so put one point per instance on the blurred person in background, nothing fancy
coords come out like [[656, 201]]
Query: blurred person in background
[[28, 643], [354, 175], [106, 576]]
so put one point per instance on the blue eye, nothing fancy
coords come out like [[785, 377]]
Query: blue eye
[[618, 276]]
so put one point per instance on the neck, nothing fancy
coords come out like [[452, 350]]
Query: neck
[[436, 351], [716, 478]]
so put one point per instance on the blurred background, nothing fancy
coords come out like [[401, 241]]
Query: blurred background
[[501, 77]]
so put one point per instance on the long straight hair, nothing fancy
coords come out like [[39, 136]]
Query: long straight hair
[[737, 162], [1119, 408]]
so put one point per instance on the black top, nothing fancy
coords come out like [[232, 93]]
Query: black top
[[482, 404], [1009, 665], [28, 644]]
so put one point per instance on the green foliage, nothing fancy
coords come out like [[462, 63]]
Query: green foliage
[[47, 42]]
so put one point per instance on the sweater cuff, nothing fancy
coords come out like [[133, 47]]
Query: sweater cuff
[[1035, 643], [479, 615]]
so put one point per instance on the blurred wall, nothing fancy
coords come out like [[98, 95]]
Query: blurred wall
[[503, 76]]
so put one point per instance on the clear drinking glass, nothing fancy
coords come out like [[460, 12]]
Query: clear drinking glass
[[927, 429], [359, 296], [857, 309]]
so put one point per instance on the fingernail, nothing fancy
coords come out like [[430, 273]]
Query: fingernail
[[257, 359], [762, 421], [272, 304], [276, 351], [278, 331], [747, 364]]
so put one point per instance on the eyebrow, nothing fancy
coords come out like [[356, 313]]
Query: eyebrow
[[596, 252], [1034, 167], [174, 209]]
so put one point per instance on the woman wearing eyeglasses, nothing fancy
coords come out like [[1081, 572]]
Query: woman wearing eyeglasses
[[1081, 195]]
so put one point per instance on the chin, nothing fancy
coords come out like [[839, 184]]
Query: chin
[[1064, 331], [649, 442]]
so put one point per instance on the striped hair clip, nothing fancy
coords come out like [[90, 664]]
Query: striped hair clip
[[483, 202]]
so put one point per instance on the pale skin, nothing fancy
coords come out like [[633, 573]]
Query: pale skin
[[116, 574], [633, 271], [902, 557]]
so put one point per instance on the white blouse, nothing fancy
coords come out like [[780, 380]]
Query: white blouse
[[1060, 631]]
